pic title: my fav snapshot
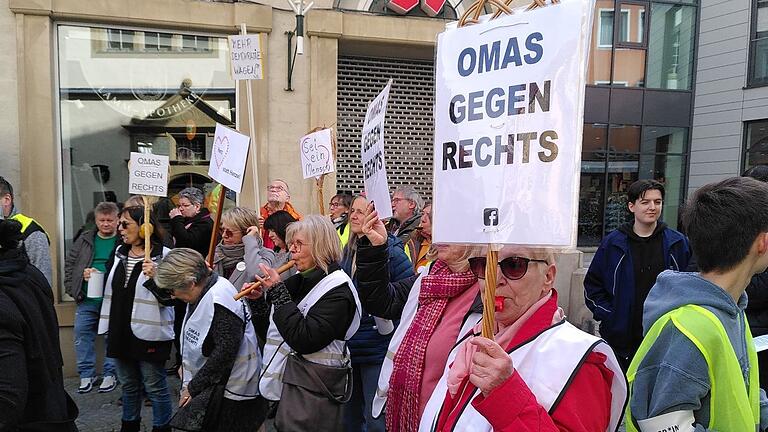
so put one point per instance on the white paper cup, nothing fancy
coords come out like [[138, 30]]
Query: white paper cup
[[384, 326], [96, 284]]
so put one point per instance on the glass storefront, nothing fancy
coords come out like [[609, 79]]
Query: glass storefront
[[122, 90]]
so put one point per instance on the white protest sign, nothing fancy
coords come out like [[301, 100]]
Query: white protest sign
[[374, 169], [230, 150], [245, 57], [316, 151], [148, 174], [509, 109]]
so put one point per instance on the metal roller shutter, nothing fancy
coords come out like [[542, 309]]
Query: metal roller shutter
[[408, 131]]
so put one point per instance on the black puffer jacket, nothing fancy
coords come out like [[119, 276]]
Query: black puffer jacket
[[32, 395], [757, 307], [194, 232]]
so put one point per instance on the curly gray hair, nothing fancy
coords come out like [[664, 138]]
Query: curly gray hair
[[193, 194]]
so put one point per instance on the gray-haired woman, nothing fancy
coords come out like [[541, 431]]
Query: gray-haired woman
[[312, 313], [219, 343], [191, 224]]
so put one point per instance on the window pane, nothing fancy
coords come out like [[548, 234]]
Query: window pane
[[135, 100], [599, 72], [757, 143], [623, 170], [629, 68], [759, 47], [624, 139], [664, 140], [670, 46], [632, 23], [592, 186]]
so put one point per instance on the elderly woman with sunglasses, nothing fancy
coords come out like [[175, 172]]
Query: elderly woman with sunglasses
[[238, 255], [437, 306], [539, 373]]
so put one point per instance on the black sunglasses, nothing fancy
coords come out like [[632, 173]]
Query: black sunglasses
[[513, 268]]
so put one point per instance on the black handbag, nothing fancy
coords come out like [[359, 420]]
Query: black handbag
[[313, 395], [202, 411]]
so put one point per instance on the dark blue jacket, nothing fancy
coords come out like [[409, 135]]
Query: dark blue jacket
[[609, 286], [367, 345]]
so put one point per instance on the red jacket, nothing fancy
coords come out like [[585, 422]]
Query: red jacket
[[585, 406], [265, 212]]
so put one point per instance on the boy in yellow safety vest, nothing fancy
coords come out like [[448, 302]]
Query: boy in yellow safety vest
[[696, 368]]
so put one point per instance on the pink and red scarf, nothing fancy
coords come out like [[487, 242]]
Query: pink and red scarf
[[437, 289]]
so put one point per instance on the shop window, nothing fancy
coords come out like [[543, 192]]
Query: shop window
[[670, 46], [657, 139], [758, 53], [146, 99], [120, 40], [195, 43], [156, 41], [756, 143], [592, 185]]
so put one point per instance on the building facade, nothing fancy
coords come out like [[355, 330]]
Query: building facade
[[87, 83], [730, 124]]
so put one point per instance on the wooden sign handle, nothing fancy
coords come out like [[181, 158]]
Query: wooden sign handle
[[280, 270], [216, 224], [147, 231], [489, 294]]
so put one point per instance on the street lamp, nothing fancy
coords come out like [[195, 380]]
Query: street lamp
[[300, 9]]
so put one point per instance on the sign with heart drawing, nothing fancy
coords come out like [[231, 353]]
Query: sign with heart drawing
[[228, 156]]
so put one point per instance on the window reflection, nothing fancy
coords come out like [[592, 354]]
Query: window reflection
[[670, 46]]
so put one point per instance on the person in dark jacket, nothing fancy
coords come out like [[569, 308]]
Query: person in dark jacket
[[757, 293], [369, 345], [625, 268], [406, 212], [139, 320], [32, 395], [89, 255], [191, 227], [313, 312]]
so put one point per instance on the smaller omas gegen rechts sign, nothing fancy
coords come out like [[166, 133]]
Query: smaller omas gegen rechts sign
[[509, 109]]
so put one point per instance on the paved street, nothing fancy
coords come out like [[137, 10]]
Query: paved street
[[100, 412]]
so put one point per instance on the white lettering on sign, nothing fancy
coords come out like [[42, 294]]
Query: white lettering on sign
[[509, 111], [148, 174], [372, 150], [228, 156], [245, 57]]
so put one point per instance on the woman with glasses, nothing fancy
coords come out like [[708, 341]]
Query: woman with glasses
[[240, 251], [339, 209], [313, 313], [436, 307], [219, 343], [276, 225], [139, 321], [191, 223], [538, 373]]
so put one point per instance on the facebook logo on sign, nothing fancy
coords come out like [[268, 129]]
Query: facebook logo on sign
[[491, 216]]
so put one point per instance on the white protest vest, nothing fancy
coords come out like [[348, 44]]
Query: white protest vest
[[276, 349], [409, 313], [547, 364], [243, 381], [150, 321]]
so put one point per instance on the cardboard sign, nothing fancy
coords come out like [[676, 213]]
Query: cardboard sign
[[509, 110], [245, 57], [374, 169], [148, 174], [230, 150], [316, 151]]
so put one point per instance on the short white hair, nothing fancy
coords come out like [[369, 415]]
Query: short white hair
[[409, 193]]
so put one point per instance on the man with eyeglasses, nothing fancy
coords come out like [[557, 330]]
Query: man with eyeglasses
[[36, 241], [406, 212], [626, 265], [278, 198]]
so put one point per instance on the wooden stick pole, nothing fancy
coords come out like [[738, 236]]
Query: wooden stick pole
[[489, 295], [247, 290], [216, 224], [252, 132], [320, 200], [146, 226]]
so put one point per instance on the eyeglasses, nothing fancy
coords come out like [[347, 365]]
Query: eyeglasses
[[297, 245], [397, 200], [275, 188], [513, 268], [334, 204], [226, 232]]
